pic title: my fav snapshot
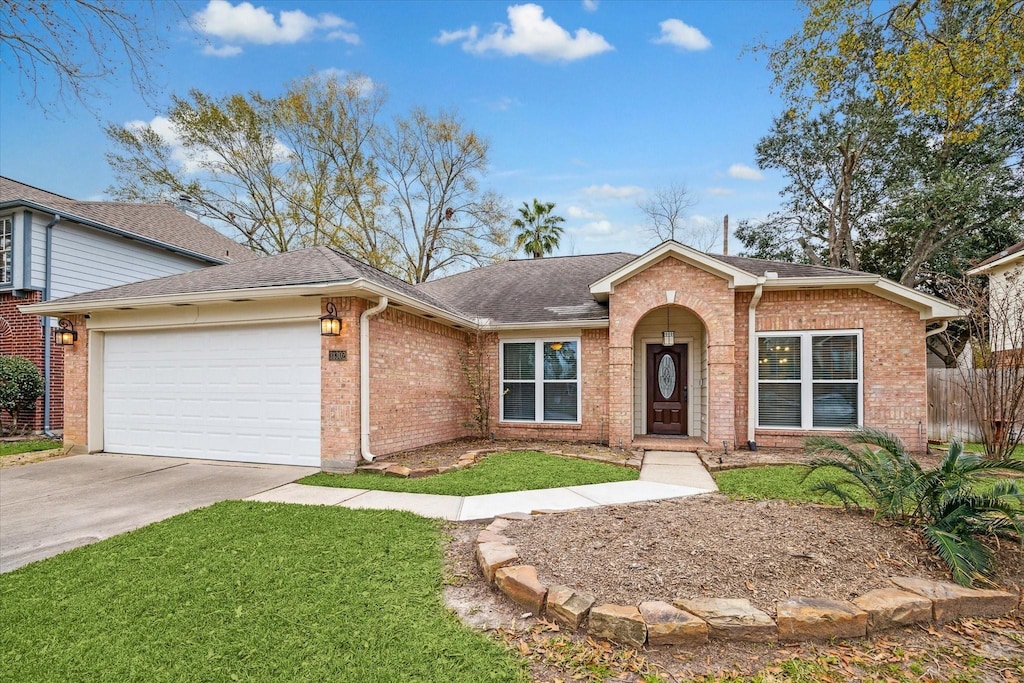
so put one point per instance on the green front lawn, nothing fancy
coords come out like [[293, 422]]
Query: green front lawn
[[779, 482], [247, 591], [1018, 452], [11, 447], [499, 473]]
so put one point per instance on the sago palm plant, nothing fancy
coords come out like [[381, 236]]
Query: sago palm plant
[[957, 504]]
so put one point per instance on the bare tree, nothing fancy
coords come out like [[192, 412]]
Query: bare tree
[[665, 211], [65, 51], [995, 385]]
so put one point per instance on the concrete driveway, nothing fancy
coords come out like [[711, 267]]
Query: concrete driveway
[[53, 506]]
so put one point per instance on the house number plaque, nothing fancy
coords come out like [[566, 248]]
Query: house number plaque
[[337, 354]]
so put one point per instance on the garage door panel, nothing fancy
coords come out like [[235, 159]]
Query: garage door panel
[[245, 394]]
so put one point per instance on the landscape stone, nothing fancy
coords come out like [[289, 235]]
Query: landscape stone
[[498, 525], [667, 625], [397, 471], [731, 618], [492, 556], [951, 601], [807, 618], [891, 607], [520, 583], [622, 624], [422, 472], [568, 607], [515, 516], [374, 467], [488, 536]]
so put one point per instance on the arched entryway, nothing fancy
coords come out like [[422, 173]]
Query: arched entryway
[[670, 383]]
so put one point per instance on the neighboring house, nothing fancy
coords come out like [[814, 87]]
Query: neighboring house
[[52, 246], [229, 362], [1005, 272]]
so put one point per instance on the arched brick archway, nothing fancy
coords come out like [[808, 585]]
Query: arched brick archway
[[712, 301]]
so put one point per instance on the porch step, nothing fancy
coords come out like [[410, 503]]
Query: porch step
[[668, 443], [676, 468]]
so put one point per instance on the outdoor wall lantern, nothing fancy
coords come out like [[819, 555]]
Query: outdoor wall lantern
[[65, 334], [330, 324]]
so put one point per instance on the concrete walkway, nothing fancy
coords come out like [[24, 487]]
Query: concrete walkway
[[662, 475]]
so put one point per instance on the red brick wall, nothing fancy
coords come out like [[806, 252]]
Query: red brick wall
[[22, 335], [339, 389], [594, 375], [895, 393], [417, 386]]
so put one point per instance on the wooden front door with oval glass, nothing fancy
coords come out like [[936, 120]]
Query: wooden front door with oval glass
[[667, 389]]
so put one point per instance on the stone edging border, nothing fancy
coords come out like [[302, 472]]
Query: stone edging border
[[473, 457], [692, 622]]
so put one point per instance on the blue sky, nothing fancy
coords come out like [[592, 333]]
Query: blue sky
[[592, 105]]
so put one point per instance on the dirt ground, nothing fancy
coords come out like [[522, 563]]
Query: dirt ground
[[15, 459]]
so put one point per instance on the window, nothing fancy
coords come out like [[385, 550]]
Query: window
[[540, 381], [809, 380], [6, 236]]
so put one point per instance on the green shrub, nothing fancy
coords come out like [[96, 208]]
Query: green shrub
[[956, 504], [21, 385]]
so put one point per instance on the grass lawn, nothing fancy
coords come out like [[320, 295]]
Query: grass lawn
[[514, 471], [1018, 452], [778, 482], [247, 591], [11, 447]]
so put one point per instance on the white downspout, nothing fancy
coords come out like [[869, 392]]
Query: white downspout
[[752, 364], [364, 377], [47, 332], [938, 330]]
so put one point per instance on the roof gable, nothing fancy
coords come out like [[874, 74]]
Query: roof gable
[[735, 276]]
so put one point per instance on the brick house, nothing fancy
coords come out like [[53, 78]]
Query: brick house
[[53, 246], [229, 362]]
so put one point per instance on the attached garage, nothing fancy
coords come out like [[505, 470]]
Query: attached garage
[[239, 392]]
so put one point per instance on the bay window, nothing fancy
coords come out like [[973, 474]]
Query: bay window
[[809, 380], [540, 381]]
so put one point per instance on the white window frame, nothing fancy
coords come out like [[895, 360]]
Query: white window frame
[[538, 379], [9, 281], [807, 380]]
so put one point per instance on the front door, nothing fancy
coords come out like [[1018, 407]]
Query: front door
[[667, 389]]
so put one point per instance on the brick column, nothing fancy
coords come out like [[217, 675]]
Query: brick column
[[339, 389]]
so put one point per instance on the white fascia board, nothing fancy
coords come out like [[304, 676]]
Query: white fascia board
[[736, 277], [930, 307], [549, 325], [1004, 261]]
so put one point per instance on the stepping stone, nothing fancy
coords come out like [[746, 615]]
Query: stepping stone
[[667, 625], [493, 556], [951, 601], [622, 624], [568, 607], [497, 526], [515, 516], [891, 608], [731, 618], [487, 536], [520, 583], [803, 618]]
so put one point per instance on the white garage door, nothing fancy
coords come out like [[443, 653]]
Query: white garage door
[[250, 394]]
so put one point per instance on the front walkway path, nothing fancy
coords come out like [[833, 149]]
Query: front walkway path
[[662, 475]]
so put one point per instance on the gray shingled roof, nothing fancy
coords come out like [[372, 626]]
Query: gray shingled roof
[[1012, 249], [314, 265], [162, 223], [759, 267], [532, 290]]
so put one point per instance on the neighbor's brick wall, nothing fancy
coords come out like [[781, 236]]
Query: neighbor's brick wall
[[417, 385], [22, 335], [895, 393], [706, 295], [76, 380], [593, 427]]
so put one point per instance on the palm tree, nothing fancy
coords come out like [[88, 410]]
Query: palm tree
[[539, 231]]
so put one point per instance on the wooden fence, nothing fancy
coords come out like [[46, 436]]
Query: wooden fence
[[949, 408]]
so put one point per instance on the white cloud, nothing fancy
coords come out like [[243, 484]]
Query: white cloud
[[745, 172], [682, 35], [364, 84], [529, 34], [607, 191], [602, 227], [720, 191], [222, 51], [246, 23], [590, 5], [586, 214]]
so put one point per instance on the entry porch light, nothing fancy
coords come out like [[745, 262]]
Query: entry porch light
[[65, 334], [330, 324], [668, 337]]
